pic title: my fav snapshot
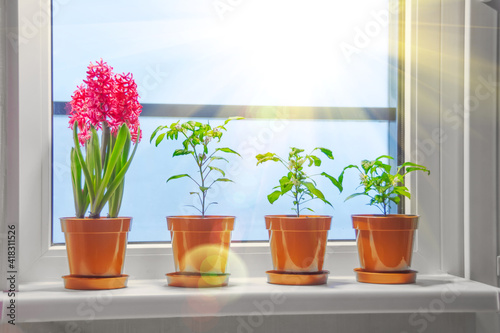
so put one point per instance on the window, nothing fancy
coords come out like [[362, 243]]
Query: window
[[306, 75], [30, 149]]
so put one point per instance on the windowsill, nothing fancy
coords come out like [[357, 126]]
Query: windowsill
[[43, 302]]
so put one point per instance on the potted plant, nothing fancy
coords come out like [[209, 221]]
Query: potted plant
[[298, 242], [96, 245], [385, 241], [200, 243]]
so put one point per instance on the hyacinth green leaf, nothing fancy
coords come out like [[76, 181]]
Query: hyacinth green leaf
[[115, 200], [96, 154], [118, 179], [113, 159], [81, 161], [126, 148], [273, 196], [76, 180]]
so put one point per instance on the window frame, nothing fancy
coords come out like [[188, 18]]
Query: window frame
[[40, 261]]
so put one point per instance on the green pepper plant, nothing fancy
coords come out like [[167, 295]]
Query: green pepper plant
[[297, 184], [380, 185], [197, 137]]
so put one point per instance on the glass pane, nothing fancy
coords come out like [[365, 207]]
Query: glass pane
[[259, 53], [280, 52]]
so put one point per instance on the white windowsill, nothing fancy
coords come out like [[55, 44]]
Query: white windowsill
[[43, 302]]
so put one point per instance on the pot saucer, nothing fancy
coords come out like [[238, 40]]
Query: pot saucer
[[297, 279], [402, 277], [94, 283], [197, 280]]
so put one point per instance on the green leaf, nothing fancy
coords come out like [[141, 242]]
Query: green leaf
[[414, 167], [261, 158], [295, 151], [217, 169], [213, 158], [159, 139], [387, 168], [355, 195], [273, 196], [285, 184], [159, 128], [227, 150], [118, 179], [384, 156], [326, 201], [223, 180], [204, 189], [395, 199], [180, 152], [402, 190], [314, 190], [81, 161], [327, 152], [116, 152], [335, 182], [232, 118], [193, 207], [178, 176], [317, 161]]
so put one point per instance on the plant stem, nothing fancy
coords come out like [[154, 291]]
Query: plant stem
[[204, 193], [297, 199]]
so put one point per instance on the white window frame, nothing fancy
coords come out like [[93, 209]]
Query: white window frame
[[39, 261]]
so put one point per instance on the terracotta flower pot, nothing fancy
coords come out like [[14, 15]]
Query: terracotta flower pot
[[200, 245], [96, 247], [385, 242], [298, 244]]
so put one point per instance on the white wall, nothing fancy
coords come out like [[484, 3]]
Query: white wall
[[373, 323]]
